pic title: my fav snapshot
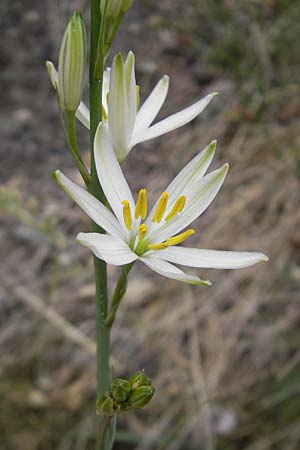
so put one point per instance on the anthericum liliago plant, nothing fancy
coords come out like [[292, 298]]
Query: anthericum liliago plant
[[125, 230]]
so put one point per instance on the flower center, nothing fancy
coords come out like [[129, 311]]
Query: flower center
[[141, 211]]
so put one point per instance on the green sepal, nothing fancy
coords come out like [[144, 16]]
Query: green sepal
[[139, 379], [120, 389], [141, 396], [105, 406]]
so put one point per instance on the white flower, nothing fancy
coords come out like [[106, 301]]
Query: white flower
[[128, 124], [152, 238]]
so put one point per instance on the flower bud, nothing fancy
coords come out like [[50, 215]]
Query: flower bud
[[71, 65], [120, 389], [105, 406], [141, 396], [139, 379], [115, 7]]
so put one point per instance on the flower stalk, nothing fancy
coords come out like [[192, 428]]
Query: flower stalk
[[71, 138], [107, 426], [119, 292]]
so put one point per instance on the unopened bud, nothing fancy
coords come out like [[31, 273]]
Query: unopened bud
[[141, 396], [120, 389], [71, 65], [115, 7], [139, 379], [105, 406]]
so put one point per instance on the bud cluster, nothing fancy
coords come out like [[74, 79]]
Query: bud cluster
[[125, 395]]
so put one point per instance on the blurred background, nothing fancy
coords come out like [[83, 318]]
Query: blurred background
[[225, 360]]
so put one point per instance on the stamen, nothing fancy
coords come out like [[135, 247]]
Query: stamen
[[180, 237], [160, 246], [127, 214], [141, 205], [138, 98], [107, 97], [104, 115], [142, 231], [161, 208], [178, 207]]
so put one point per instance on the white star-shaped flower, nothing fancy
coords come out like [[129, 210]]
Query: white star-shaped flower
[[153, 238], [127, 124]]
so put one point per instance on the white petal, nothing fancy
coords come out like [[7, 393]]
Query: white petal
[[110, 249], [83, 115], [151, 107], [210, 259], [131, 93], [90, 205], [176, 120], [168, 270], [121, 104], [52, 72], [190, 174], [198, 200], [110, 175], [105, 88]]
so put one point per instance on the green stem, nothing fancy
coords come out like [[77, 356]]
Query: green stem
[[119, 292], [112, 34], [103, 332], [71, 137]]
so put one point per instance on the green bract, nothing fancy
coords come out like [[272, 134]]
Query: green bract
[[71, 65], [115, 7]]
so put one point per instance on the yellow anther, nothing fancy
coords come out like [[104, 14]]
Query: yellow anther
[[161, 208], [141, 205], [160, 246], [178, 207], [138, 98], [180, 237], [104, 115], [127, 214], [107, 97], [142, 231]]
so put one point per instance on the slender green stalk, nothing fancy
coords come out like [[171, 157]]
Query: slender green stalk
[[112, 34], [119, 292], [95, 189], [103, 332], [70, 133]]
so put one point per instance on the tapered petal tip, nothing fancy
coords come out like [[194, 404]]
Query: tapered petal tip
[[118, 59], [80, 238], [211, 148], [56, 175], [130, 56], [52, 73], [165, 79], [264, 258], [204, 283], [225, 168]]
